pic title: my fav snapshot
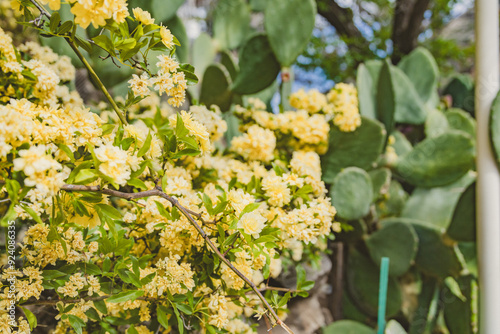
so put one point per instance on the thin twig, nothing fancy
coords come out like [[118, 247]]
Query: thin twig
[[91, 71]]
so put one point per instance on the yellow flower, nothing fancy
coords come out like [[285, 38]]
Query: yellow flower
[[166, 37], [256, 144], [143, 16], [252, 223]]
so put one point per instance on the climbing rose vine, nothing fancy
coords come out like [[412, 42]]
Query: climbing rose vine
[[134, 217]]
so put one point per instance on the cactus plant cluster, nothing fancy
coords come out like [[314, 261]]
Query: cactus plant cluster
[[405, 182]]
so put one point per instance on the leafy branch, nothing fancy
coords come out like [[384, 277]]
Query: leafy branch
[[158, 191], [71, 41]]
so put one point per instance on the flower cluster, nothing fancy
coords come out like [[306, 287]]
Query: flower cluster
[[168, 80], [151, 223], [340, 105], [94, 12]]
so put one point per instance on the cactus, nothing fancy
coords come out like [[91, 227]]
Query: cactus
[[401, 145], [352, 193], [258, 66], [424, 313], [386, 99], [227, 60], [363, 282], [439, 202], [495, 127], [459, 314], [289, 25], [422, 70], [231, 23], [356, 232], [396, 199], [461, 120], [449, 261], [438, 160], [215, 87], [381, 180], [409, 106], [164, 11], [350, 311], [348, 327], [436, 123], [179, 30], [398, 242], [366, 92], [461, 90], [203, 54], [463, 223], [360, 148]]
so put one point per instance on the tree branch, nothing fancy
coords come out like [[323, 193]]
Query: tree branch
[[408, 16], [188, 214], [340, 18]]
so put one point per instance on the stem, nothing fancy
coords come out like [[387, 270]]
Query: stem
[[89, 68], [187, 213], [97, 81]]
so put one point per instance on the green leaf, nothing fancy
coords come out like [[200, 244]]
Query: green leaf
[[231, 22], [249, 208], [109, 211], [258, 66], [438, 160], [145, 147], [161, 314], [184, 308], [30, 317], [55, 19], [85, 176], [360, 148], [104, 42], [189, 74], [32, 213], [289, 25], [100, 305], [137, 183], [76, 323], [124, 296], [352, 193], [65, 27], [68, 152]]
